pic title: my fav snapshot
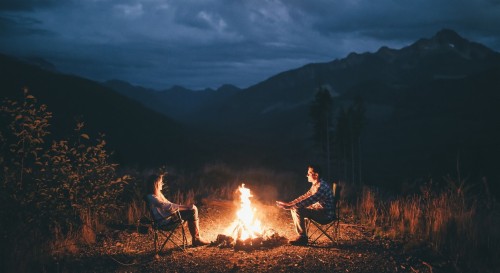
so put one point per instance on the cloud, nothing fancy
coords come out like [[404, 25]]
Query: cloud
[[214, 21], [21, 26], [208, 43], [129, 11]]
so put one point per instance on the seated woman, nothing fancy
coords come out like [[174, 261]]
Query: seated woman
[[162, 208]]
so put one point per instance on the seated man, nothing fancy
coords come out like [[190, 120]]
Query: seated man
[[316, 204], [162, 208]]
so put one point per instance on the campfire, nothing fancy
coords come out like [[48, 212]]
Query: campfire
[[246, 225], [246, 231]]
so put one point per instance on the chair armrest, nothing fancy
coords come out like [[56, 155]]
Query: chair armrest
[[174, 217]]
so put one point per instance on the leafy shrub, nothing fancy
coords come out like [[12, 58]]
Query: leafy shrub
[[51, 189]]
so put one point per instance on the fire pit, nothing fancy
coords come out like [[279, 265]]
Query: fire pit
[[246, 232]]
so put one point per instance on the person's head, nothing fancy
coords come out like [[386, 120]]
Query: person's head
[[155, 183], [313, 173]]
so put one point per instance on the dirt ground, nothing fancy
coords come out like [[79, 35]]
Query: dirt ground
[[355, 250]]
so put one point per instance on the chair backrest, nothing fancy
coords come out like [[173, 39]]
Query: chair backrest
[[337, 189]]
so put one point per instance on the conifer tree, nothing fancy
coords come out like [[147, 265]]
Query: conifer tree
[[321, 112]]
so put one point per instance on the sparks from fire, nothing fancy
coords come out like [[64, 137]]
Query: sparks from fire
[[246, 225]]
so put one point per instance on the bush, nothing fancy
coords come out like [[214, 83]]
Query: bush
[[47, 190]]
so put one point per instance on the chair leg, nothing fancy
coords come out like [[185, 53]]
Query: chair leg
[[172, 237], [337, 228], [312, 233], [325, 232], [170, 234], [322, 231], [184, 239], [156, 241]]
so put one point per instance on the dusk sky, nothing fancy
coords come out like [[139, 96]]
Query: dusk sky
[[208, 43]]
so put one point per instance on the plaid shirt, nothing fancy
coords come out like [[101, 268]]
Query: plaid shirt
[[319, 197]]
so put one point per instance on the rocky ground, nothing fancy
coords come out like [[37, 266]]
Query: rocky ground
[[357, 249]]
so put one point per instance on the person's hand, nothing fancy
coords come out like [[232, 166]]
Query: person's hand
[[188, 207], [282, 205]]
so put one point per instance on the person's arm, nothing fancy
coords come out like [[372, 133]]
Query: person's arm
[[165, 206], [170, 206], [314, 196], [292, 204], [184, 207], [301, 198], [283, 205]]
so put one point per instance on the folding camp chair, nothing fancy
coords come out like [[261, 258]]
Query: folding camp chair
[[330, 230], [168, 228]]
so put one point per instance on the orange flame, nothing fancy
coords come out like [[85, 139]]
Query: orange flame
[[246, 225]]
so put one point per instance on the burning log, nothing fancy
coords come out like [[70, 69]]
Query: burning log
[[223, 241], [246, 225], [248, 244], [269, 239], [246, 231], [273, 239]]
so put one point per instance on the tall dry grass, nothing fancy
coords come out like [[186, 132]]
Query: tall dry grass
[[455, 221], [64, 242], [135, 211], [368, 210]]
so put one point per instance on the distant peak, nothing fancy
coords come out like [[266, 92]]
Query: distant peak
[[448, 35], [386, 50], [449, 41], [228, 88]]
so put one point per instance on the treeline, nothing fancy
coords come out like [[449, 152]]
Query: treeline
[[337, 134]]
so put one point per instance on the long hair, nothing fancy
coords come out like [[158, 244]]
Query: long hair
[[152, 183]]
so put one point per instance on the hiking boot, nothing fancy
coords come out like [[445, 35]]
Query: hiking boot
[[194, 230], [200, 242], [299, 241]]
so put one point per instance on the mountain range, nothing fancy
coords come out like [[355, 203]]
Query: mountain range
[[137, 135], [429, 105], [431, 109]]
